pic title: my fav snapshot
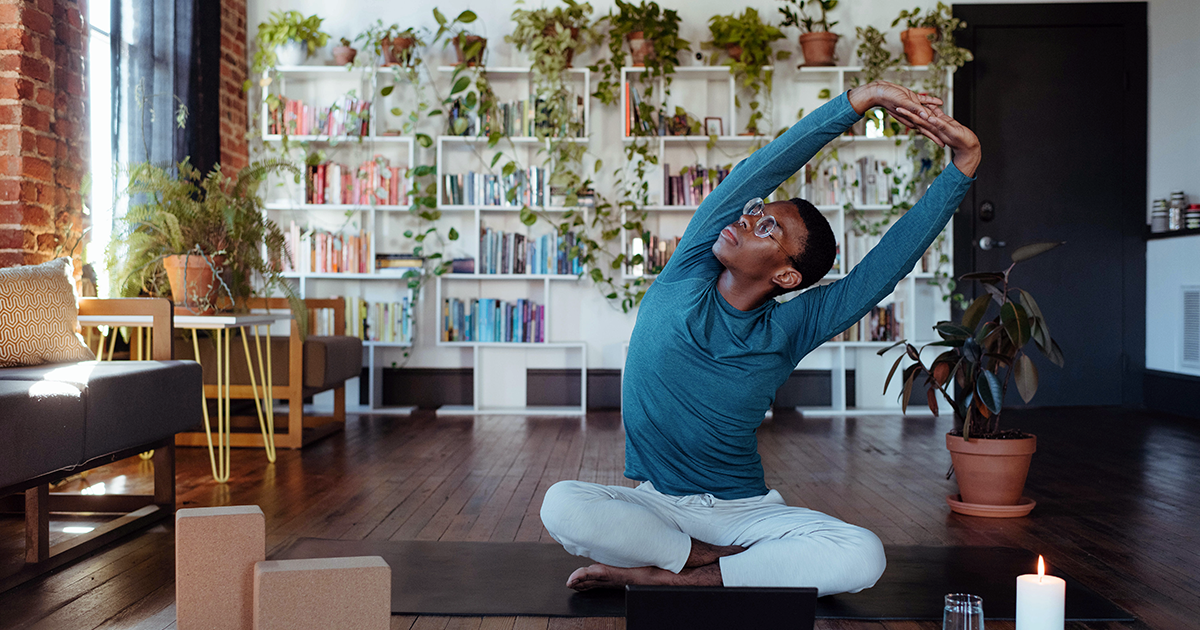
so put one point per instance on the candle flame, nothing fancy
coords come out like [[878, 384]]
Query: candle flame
[[1041, 568]]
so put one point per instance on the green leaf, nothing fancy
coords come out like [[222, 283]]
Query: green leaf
[[460, 126], [989, 391], [461, 84], [1015, 322], [825, 93], [387, 90], [1053, 352], [986, 277], [1026, 376], [424, 140], [466, 17], [434, 112], [975, 312], [597, 275], [888, 381], [452, 234], [437, 15], [472, 100], [1025, 252], [423, 170], [885, 350], [509, 169], [527, 216], [599, 164], [396, 111], [496, 158], [408, 233], [908, 383], [953, 331]]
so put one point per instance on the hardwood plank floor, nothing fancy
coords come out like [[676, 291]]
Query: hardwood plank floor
[[1117, 504]]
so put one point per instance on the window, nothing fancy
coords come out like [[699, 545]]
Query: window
[[100, 101]]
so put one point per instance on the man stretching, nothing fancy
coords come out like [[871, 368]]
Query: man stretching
[[710, 348]]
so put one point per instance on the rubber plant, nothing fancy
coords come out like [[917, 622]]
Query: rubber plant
[[747, 41]]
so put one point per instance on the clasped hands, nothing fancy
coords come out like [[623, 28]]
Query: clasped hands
[[923, 113]]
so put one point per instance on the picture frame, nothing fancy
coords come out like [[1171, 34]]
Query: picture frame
[[714, 126]]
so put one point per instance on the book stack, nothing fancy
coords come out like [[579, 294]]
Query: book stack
[[493, 321], [374, 182], [522, 188], [883, 323], [857, 247], [319, 251], [398, 263], [525, 118], [511, 253], [638, 122], [820, 182], [655, 252], [691, 185], [348, 116], [386, 322]]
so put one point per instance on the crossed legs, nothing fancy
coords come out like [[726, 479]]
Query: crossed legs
[[641, 536]]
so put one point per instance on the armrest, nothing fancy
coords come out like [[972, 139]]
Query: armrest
[[159, 308]]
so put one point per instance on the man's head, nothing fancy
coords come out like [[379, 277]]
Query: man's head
[[796, 253]]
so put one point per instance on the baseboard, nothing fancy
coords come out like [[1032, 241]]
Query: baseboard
[[433, 387], [1172, 392]]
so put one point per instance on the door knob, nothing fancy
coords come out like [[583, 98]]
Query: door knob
[[988, 242]]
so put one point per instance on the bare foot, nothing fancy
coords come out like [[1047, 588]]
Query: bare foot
[[703, 553], [604, 576]]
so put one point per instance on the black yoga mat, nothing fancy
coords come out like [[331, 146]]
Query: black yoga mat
[[477, 578]]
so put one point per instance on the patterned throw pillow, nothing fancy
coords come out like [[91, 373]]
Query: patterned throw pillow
[[39, 315]]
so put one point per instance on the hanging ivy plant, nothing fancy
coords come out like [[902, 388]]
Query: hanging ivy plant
[[747, 40]]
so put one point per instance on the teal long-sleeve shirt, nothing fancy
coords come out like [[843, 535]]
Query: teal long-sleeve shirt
[[700, 374]]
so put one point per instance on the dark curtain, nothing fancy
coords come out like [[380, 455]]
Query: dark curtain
[[166, 55]]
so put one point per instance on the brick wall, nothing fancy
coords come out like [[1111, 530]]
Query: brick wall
[[43, 127], [235, 152]]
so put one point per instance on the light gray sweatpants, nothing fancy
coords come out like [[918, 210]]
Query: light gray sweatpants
[[786, 546]]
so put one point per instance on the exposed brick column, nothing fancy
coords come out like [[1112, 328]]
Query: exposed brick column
[[235, 152], [43, 127]]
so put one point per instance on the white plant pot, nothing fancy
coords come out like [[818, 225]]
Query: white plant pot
[[292, 53]]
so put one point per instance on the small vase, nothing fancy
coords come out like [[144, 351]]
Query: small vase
[[343, 55], [734, 51], [918, 47], [551, 30], [463, 42], [292, 53], [195, 289], [397, 51], [818, 48], [640, 48]]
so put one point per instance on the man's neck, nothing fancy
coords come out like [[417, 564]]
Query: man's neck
[[741, 294]]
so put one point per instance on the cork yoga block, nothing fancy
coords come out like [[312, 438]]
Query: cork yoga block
[[323, 593], [215, 553]]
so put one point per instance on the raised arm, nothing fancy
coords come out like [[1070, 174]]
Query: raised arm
[[825, 311]]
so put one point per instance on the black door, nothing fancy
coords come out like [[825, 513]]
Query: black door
[[1057, 96]]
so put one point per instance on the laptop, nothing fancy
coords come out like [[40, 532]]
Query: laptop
[[719, 608]]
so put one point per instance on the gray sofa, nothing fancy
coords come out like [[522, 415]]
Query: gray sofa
[[60, 419]]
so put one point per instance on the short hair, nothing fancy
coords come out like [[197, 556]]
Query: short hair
[[817, 249]]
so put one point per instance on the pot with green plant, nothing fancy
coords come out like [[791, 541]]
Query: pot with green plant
[[984, 355], [651, 31], [202, 240], [468, 47], [344, 53], [391, 45], [552, 36], [747, 40], [929, 34], [816, 41], [287, 39]]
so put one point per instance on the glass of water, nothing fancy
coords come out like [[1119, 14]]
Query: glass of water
[[963, 612]]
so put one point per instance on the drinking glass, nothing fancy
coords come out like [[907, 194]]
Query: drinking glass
[[963, 612]]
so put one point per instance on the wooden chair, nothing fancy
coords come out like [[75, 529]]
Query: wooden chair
[[301, 430]]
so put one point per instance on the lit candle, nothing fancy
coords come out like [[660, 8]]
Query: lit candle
[[1041, 600]]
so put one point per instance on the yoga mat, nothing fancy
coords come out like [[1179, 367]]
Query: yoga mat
[[478, 578]]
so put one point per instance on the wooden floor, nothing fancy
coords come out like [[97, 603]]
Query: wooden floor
[[1118, 503]]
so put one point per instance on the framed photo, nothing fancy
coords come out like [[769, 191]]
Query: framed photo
[[713, 126]]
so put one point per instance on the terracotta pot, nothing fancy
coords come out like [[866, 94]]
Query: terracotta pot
[[343, 55], [991, 472], [195, 290], [462, 42], [818, 48], [917, 46], [397, 51], [734, 51], [552, 29], [640, 48]]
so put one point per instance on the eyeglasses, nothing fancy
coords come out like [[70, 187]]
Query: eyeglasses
[[764, 224]]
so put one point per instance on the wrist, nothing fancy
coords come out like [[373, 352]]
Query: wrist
[[966, 160], [861, 99]]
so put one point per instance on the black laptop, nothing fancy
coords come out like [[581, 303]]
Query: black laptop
[[719, 608]]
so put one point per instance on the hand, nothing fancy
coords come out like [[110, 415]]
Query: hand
[[908, 107], [948, 132]]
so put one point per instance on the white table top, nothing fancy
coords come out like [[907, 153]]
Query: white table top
[[201, 322]]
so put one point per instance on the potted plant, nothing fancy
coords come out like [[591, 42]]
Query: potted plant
[[344, 53], [287, 39], [468, 47], [652, 32], [747, 40], [816, 41], [931, 33], [552, 35], [390, 44], [202, 240], [991, 464], [871, 51]]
